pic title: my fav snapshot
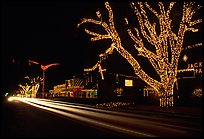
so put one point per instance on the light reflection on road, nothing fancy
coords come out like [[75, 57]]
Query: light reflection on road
[[120, 122]]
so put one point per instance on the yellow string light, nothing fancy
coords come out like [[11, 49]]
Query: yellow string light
[[165, 68]]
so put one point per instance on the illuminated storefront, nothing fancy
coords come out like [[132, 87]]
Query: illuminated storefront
[[189, 86]]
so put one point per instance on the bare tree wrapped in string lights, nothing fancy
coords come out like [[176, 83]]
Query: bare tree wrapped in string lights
[[168, 43]]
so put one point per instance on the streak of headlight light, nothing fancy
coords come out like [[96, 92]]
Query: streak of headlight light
[[122, 119], [85, 112], [49, 100], [65, 107], [126, 120], [89, 121], [12, 98], [81, 106], [74, 105]]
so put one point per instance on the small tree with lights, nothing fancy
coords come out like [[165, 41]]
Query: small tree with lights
[[31, 87], [167, 43]]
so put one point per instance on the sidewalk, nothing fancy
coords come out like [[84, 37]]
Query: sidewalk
[[197, 111]]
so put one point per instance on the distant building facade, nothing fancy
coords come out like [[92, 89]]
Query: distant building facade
[[116, 85]]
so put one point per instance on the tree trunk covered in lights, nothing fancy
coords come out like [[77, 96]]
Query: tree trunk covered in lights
[[168, 43]]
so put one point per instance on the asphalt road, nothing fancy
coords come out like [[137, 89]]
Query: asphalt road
[[22, 120], [48, 118]]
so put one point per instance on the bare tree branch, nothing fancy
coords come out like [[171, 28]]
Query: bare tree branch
[[155, 13], [166, 40], [98, 36], [142, 24], [169, 8], [195, 22]]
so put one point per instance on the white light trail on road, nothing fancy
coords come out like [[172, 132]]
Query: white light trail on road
[[108, 115], [91, 108], [116, 121], [85, 119]]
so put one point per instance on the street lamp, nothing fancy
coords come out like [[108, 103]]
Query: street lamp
[[44, 68]]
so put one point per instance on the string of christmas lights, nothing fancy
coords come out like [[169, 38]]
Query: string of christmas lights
[[164, 41]]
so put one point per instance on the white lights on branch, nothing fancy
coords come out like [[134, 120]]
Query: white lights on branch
[[98, 14], [164, 41], [197, 92], [184, 70], [193, 46]]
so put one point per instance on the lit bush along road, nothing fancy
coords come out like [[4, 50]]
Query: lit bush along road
[[119, 122]]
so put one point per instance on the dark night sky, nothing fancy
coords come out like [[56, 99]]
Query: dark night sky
[[47, 32]]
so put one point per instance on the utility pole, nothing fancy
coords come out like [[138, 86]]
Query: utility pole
[[44, 68]]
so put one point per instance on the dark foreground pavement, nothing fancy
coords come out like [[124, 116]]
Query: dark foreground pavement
[[22, 120]]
